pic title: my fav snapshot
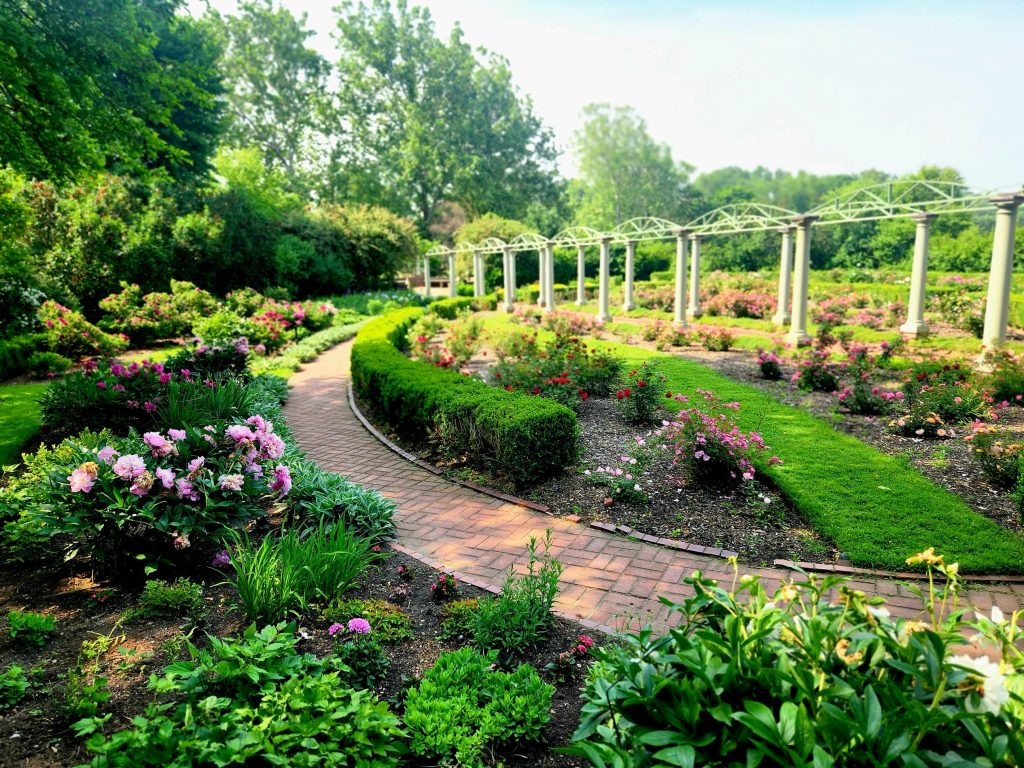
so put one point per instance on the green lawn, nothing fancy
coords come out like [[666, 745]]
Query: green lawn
[[19, 418], [875, 507]]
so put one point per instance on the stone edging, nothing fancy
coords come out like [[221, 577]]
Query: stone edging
[[661, 541], [849, 570], [434, 470], [437, 565]]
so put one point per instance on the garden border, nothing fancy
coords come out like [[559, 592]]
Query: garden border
[[850, 570]]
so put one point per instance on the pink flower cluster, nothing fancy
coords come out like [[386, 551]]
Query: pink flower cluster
[[355, 626]]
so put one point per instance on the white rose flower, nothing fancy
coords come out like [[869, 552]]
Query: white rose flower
[[992, 690]]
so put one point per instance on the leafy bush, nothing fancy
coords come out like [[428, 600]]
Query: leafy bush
[[804, 678], [523, 437], [734, 303], [862, 395], [29, 628], [937, 399], [999, 453], [16, 351], [227, 357], [362, 657], [716, 339], [146, 318], [769, 364], [14, 684], [520, 616], [159, 598], [68, 333], [326, 499], [1007, 380], [253, 701], [42, 364], [817, 373], [462, 708], [450, 308], [390, 623], [642, 391], [458, 619]]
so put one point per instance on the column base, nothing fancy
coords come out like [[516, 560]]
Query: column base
[[604, 318], [628, 306], [916, 330], [693, 314], [580, 302], [798, 338], [507, 308], [781, 319], [679, 325]]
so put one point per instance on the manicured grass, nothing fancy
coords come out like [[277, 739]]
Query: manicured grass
[[19, 418], [875, 507]]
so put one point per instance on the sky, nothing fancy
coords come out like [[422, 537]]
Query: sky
[[823, 86]]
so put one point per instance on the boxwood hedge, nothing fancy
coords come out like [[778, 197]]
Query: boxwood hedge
[[518, 435]]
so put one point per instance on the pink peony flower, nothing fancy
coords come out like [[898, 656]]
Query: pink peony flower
[[186, 490], [158, 443], [221, 559], [165, 476], [282, 482], [142, 484], [150, 407], [81, 480], [129, 466], [335, 629], [359, 626], [196, 464], [176, 434], [231, 482], [239, 433], [106, 454]]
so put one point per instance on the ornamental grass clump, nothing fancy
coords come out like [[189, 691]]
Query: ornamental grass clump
[[816, 674], [708, 441]]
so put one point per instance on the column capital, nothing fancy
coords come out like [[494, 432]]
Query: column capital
[[1009, 201], [631, 243], [788, 229], [683, 232], [605, 240], [803, 219], [924, 217]]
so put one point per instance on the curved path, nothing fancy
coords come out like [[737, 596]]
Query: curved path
[[608, 581]]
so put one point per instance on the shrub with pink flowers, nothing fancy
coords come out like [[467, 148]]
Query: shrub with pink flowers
[[68, 333], [948, 391], [640, 393], [715, 339], [861, 394], [145, 318], [153, 496], [1000, 454], [817, 372], [622, 479], [707, 440], [734, 303], [444, 587], [769, 364]]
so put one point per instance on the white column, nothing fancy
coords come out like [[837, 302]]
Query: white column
[[1000, 277], [542, 274], [603, 315], [426, 276], [785, 276], [478, 274], [549, 278], [512, 273], [915, 325], [453, 289], [801, 267], [694, 310], [679, 304], [506, 273], [581, 275], [627, 303]]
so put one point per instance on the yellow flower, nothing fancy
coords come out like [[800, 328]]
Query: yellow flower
[[928, 556], [91, 468], [788, 592], [850, 659]]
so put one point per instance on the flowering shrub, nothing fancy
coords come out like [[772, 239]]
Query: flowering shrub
[[569, 324], [862, 395], [445, 587], [464, 338], [710, 443], [68, 333], [948, 392], [623, 481], [802, 677], [564, 668], [153, 494], [769, 364], [364, 660], [1007, 379], [817, 373], [716, 339], [145, 318], [960, 310], [640, 394], [999, 453], [228, 357], [734, 303]]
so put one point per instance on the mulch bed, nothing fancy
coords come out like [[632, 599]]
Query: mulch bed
[[35, 732]]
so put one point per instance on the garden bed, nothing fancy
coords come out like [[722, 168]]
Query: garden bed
[[35, 732]]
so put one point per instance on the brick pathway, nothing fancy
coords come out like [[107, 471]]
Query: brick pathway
[[608, 580]]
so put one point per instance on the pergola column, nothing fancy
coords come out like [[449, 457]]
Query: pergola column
[[581, 275], [549, 299], [915, 325], [426, 276], [453, 289], [512, 273], [510, 286], [785, 276], [694, 309], [627, 303], [679, 304], [1000, 276], [603, 315], [478, 274], [542, 276], [801, 267]]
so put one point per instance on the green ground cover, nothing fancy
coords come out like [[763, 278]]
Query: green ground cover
[[875, 507], [19, 418]]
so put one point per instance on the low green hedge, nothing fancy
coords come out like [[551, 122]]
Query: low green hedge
[[15, 352], [450, 308], [518, 435], [305, 351]]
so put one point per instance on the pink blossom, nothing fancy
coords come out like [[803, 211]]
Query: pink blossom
[[221, 559], [359, 626], [158, 443], [101, 384], [142, 484], [129, 467], [176, 434], [106, 454], [186, 490], [282, 482], [150, 407], [335, 629], [165, 378], [231, 482], [81, 480], [165, 476], [196, 464], [238, 433]]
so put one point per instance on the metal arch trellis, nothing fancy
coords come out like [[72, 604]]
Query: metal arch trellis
[[890, 200]]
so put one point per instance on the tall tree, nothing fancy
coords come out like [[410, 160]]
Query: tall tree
[[81, 86], [278, 96], [625, 172], [434, 121]]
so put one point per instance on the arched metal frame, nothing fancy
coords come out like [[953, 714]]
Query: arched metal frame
[[890, 200]]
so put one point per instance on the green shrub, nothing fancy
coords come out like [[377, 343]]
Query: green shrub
[[159, 598], [524, 437], [806, 677], [363, 659], [642, 392], [389, 622], [458, 619], [29, 628], [69, 333], [42, 364], [462, 708], [520, 616], [449, 309], [14, 684], [16, 352]]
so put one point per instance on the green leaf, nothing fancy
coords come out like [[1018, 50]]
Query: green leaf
[[683, 756]]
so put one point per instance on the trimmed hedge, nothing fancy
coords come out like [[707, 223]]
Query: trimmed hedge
[[305, 351], [521, 436], [15, 352], [450, 308]]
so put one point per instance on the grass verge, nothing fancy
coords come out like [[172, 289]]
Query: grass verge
[[19, 418]]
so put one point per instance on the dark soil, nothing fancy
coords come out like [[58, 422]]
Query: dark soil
[[36, 733]]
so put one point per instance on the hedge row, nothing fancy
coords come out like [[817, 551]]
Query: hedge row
[[15, 352], [450, 308], [305, 351], [518, 435]]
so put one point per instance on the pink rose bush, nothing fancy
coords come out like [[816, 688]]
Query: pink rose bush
[[68, 333]]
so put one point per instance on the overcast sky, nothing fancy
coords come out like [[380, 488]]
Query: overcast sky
[[824, 86]]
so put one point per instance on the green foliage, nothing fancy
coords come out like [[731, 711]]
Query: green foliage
[[19, 418], [641, 393], [449, 309], [42, 364], [146, 318], [797, 678], [30, 628], [160, 599], [253, 700], [363, 659], [458, 619], [523, 437], [520, 616], [389, 622], [462, 708], [326, 499], [69, 333], [14, 685], [15, 353]]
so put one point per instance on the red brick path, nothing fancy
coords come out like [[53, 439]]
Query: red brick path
[[608, 580]]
